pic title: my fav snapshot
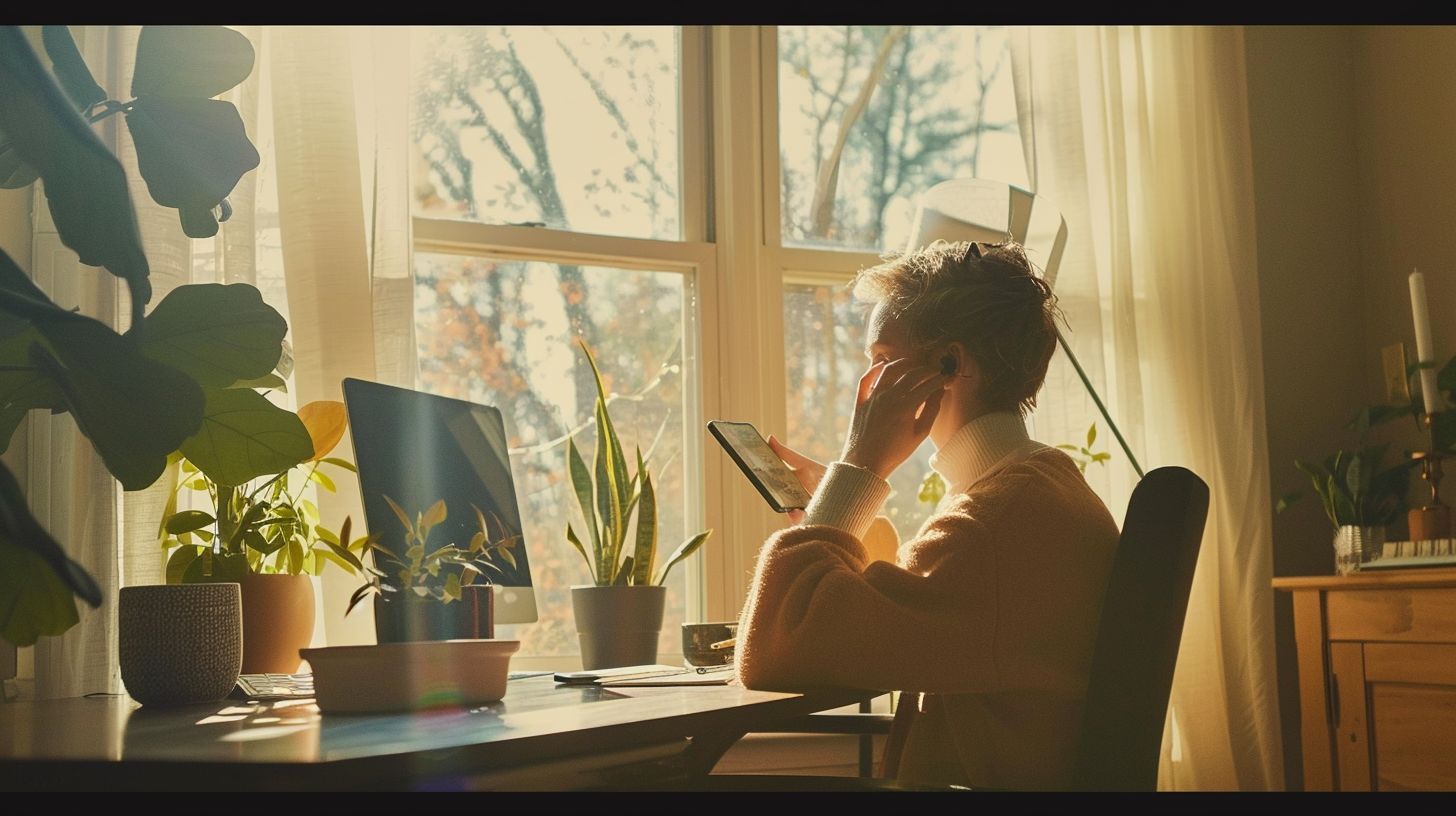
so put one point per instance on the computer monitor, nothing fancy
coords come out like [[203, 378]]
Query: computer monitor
[[418, 448]]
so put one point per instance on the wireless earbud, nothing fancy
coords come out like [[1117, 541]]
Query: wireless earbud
[[948, 365]]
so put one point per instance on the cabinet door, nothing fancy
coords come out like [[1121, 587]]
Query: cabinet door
[[1347, 708], [1412, 715]]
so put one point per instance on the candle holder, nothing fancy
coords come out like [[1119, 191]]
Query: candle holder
[[1434, 519]]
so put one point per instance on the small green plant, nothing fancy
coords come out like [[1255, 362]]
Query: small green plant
[[932, 489], [1083, 455], [265, 526], [442, 572], [608, 496], [1354, 490]]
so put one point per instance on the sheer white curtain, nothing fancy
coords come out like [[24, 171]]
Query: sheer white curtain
[[321, 227], [1140, 135]]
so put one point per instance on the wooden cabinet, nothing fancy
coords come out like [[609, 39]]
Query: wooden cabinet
[[1377, 679]]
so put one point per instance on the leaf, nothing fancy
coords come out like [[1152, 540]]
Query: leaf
[[340, 463], [436, 514], [179, 561], [188, 520], [582, 485], [576, 542], [268, 381], [932, 489], [245, 436], [400, 513], [324, 481], [295, 557], [195, 61], [1091, 434], [508, 557], [349, 559], [226, 568], [217, 334], [684, 550], [359, 594], [191, 153], [1065, 446], [1446, 377], [646, 549], [326, 421], [14, 172], [624, 573], [70, 69], [85, 185], [135, 411], [1286, 500], [37, 579], [452, 587]]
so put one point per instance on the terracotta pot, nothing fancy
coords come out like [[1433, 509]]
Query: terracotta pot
[[618, 625], [278, 618], [410, 618]]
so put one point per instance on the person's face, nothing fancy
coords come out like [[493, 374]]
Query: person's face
[[887, 338]]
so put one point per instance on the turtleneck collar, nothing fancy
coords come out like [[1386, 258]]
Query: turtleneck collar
[[978, 447]]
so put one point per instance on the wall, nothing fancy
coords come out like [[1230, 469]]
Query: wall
[[1354, 180], [1308, 221]]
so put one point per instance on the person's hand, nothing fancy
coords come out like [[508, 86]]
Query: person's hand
[[896, 405], [807, 470]]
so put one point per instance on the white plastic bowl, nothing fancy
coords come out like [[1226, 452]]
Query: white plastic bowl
[[408, 676]]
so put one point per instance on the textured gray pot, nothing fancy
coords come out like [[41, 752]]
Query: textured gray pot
[[618, 625], [180, 643]]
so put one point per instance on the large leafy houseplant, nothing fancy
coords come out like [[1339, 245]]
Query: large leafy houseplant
[[265, 527], [181, 378], [607, 496]]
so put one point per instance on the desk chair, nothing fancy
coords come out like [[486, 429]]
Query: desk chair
[[1132, 664]]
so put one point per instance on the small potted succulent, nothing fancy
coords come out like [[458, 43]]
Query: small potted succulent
[[265, 535], [619, 617], [1360, 497], [436, 591]]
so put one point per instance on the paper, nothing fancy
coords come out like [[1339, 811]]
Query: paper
[[716, 676]]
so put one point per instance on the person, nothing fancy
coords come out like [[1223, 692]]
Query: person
[[987, 618]]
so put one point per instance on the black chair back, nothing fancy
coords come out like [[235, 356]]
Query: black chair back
[[1139, 632]]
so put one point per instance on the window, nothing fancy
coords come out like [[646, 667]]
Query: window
[[564, 188], [869, 117], [548, 199]]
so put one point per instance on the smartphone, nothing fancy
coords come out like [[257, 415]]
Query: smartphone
[[761, 465]]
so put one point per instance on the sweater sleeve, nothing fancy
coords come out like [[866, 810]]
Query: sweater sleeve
[[820, 613]]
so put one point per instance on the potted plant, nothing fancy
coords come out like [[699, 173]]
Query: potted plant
[[438, 591], [1360, 498], [181, 376], [267, 536], [618, 618]]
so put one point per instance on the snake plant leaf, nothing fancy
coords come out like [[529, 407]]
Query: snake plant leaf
[[70, 69], [576, 542], [581, 484], [646, 551], [245, 436], [624, 573], [85, 185], [197, 61], [684, 550], [218, 334], [191, 152], [37, 579]]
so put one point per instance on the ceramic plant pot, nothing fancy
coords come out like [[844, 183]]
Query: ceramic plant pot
[[180, 643], [278, 619], [618, 625]]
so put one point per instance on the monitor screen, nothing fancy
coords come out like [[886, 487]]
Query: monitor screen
[[417, 449]]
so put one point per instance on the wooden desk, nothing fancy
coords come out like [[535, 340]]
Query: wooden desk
[[541, 736], [1377, 679]]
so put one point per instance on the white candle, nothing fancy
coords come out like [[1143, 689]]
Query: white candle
[[1425, 351]]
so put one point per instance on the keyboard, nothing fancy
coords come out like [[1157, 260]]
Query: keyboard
[[300, 686]]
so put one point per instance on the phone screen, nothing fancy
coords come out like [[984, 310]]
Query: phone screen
[[761, 465]]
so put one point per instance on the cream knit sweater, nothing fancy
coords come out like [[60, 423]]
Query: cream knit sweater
[[990, 611]]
